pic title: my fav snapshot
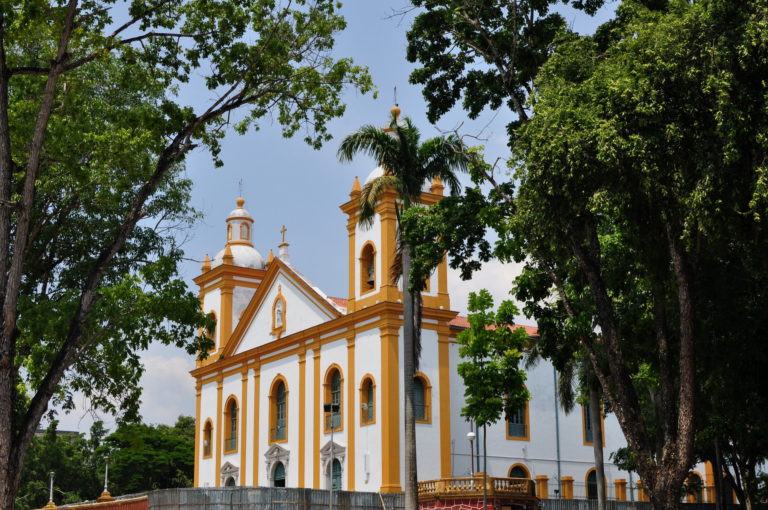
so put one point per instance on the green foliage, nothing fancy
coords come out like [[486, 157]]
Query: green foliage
[[141, 458], [493, 380]]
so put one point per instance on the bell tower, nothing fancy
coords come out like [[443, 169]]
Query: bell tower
[[372, 248]]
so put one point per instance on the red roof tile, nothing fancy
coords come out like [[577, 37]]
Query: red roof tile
[[461, 322], [342, 302]]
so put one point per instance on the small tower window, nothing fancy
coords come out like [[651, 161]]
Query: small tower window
[[207, 438], [229, 231], [367, 268], [245, 231]]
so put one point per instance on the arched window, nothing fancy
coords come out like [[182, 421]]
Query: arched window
[[278, 411], [367, 401], [422, 397], [245, 231], [518, 424], [592, 484], [519, 471], [367, 268], [336, 475], [230, 482], [694, 488], [207, 438], [229, 231], [333, 396], [278, 478], [230, 425]]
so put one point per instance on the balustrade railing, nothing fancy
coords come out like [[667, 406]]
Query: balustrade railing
[[473, 486]]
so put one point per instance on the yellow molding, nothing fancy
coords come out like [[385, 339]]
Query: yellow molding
[[244, 429], [228, 272], [302, 415], [217, 430], [351, 406], [277, 331], [256, 415], [526, 422], [521, 466], [316, 415], [444, 388], [198, 397], [390, 409]]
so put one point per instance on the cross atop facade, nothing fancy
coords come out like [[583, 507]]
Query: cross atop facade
[[283, 231]]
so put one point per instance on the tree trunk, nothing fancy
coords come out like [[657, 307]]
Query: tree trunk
[[597, 441], [411, 493]]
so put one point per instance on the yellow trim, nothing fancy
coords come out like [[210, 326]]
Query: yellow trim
[[365, 288], [198, 391], [279, 330], [522, 466], [351, 414], [567, 486], [444, 388], [364, 399], [427, 397], [620, 486], [302, 415], [390, 409], [542, 486], [225, 324], [273, 409], [243, 428], [351, 230], [327, 396], [228, 418], [584, 427], [256, 415], [316, 414], [217, 429]]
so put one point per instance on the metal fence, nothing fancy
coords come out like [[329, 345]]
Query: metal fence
[[582, 504], [270, 498]]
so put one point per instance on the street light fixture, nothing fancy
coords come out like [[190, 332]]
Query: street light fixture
[[471, 436]]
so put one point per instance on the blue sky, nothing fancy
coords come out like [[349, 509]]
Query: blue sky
[[285, 182]]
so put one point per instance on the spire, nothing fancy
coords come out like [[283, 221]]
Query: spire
[[437, 186], [206, 264], [282, 248], [270, 256], [228, 258], [355, 187]]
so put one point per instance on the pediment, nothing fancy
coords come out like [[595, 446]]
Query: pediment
[[285, 303], [229, 469]]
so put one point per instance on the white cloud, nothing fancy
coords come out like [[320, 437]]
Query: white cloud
[[169, 390]]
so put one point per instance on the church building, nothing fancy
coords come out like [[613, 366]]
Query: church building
[[284, 350]]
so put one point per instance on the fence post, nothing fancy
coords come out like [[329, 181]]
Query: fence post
[[567, 483], [621, 489], [542, 487]]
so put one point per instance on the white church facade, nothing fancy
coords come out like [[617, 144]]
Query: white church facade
[[283, 349]]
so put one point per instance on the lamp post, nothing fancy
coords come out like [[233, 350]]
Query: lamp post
[[331, 408], [50, 503], [471, 436], [105, 495]]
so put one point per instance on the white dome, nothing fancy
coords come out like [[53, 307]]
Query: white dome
[[243, 256], [379, 171], [240, 211]]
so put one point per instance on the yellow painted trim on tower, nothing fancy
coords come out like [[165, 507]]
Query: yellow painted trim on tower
[[198, 398], [218, 431], [316, 415], [390, 409], [351, 230], [256, 414], [225, 321], [243, 428], [444, 387], [302, 415], [351, 406]]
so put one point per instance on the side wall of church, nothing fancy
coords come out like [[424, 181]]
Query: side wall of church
[[212, 303], [368, 444]]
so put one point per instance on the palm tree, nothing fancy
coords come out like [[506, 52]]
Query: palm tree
[[407, 166]]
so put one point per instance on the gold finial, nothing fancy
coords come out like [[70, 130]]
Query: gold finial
[[270, 257], [395, 111], [105, 496], [228, 258], [240, 202], [437, 186], [206, 263], [283, 231], [356, 186]]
